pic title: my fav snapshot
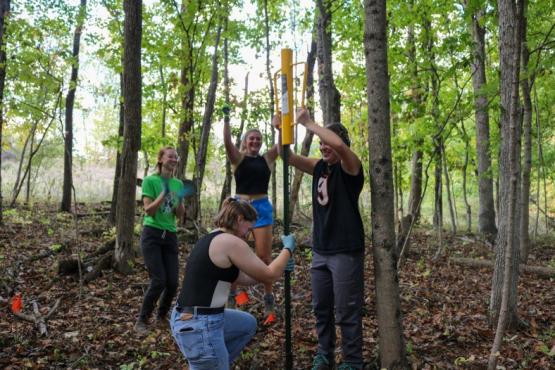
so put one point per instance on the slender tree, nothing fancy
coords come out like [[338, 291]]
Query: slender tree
[[200, 164], [392, 347], [486, 213], [307, 141], [4, 12], [330, 99], [70, 101], [117, 174], [503, 303], [526, 81], [131, 135]]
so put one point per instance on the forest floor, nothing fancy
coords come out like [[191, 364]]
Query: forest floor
[[444, 305]]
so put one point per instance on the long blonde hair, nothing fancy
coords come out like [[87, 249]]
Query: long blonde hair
[[231, 209], [243, 147]]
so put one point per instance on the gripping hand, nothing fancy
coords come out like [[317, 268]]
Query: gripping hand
[[290, 265], [289, 242], [226, 109]]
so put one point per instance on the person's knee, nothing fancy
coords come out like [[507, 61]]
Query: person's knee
[[158, 284]]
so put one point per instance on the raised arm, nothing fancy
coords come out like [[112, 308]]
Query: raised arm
[[300, 162], [234, 155], [349, 160]]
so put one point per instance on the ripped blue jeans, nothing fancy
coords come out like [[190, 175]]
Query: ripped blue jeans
[[212, 342]]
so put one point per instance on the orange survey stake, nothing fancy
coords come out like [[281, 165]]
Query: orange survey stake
[[17, 303]]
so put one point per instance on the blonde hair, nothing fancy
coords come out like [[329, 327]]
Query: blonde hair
[[246, 135], [231, 209], [161, 153]]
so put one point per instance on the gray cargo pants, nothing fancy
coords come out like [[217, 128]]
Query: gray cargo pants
[[338, 282]]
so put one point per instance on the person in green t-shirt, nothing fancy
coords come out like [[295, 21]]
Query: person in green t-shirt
[[162, 196]]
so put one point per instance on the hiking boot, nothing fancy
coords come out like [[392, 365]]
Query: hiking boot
[[141, 327], [320, 362]]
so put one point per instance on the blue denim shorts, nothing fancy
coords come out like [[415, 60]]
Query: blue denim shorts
[[265, 212]]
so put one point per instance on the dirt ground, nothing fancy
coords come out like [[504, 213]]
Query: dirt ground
[[444, 305]]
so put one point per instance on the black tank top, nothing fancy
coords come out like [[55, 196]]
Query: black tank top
[[252, 176], [205, 284], [338, 226]]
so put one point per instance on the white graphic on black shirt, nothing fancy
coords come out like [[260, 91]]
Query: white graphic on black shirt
[[322, 190]]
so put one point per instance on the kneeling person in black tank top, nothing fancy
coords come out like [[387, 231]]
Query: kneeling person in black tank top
[[208, 335]]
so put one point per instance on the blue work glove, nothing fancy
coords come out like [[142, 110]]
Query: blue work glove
[[289, 242], [165, 186], [187, 190], [226, 109], [290, 265]]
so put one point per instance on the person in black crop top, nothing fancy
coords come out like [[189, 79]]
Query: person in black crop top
[[209, 336], [338, 242], [252, 175]]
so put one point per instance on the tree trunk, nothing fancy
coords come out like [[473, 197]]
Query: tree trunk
[[125, 216], [527, 155], [272, 94], [29, 168], [416, 162], [226, 187], [307, 141], [70, 100], [117, 175], [206, 125], [508, 231], [4, 13], [486, 213], [464, 176], [330, 99], [391, 342], [503, 303], [450, 201]]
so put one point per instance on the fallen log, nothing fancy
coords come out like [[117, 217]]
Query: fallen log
[[544, 272]]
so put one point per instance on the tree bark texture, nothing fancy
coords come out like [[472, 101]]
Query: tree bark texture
[[507, 243], [4, 13], [330, 99], [125, 216], [307, 141], [486, 213], [70, 101], [391, 342]]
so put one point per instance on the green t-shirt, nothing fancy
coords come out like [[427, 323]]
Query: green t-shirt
[[164, 218]]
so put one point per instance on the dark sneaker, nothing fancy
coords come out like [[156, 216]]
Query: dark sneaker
[[347, 366], [141, 327], [321, 363]]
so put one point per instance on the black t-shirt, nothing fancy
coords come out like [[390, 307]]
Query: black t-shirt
[[252, 176], [205, 284], [337, 223]]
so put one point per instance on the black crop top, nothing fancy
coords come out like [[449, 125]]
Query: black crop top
[[252, 176], [205, 284]]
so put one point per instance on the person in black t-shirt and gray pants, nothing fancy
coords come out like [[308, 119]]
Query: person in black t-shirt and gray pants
[[338, 242]]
